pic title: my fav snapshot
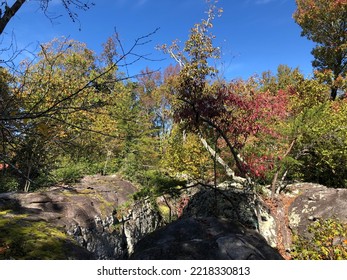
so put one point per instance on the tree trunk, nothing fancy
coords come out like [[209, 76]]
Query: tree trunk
[[274, 180], [3, 151], [333, 93], [104, 171], [168, 206], [9, 13], [215, 156], [27, 181]]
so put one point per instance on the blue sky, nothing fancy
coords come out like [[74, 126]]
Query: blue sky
[[254, 35]]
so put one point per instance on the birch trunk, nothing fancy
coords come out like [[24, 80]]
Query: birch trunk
[[215, 155]]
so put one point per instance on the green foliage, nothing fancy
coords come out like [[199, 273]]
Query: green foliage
[[156, 183], [102, 124], [70, 174], [131, 168], [315, 127], [307, 93], [284, 78], [8, 183], [324, 22], [328, 241], [70, 171], [165, 212], [185, 155], [320, 154]]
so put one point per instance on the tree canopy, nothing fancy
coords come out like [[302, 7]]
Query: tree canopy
[[325, 23], [72, 111]]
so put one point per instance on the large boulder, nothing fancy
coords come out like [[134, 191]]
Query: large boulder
[[92, 215], [313, 202], [204, 238], [221, 223], [227, 202], [235, 204]]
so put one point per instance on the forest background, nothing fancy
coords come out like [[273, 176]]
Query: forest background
[[67, 111]]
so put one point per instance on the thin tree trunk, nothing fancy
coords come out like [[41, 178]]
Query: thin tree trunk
[[27, 181], [170, 210], [333, 93], [240, 162], [106, 162], [3, 158], [215, 177], [3, 151], [275, 178], [214, 154]]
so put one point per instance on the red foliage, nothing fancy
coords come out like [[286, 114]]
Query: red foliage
[[258, 166], [181, 205], [3, 166], [239, 111], [253, 113]]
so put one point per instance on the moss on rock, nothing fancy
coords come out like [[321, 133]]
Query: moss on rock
[[21, 238]]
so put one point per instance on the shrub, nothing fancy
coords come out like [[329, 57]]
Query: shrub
[[8, 183], [156, 183], [72, 171], [328, 242]]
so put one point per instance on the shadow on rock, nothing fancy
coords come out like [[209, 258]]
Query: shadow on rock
[[204, 238]]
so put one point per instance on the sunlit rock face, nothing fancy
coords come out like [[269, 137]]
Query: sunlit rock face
[[313, 202], [92, 214]]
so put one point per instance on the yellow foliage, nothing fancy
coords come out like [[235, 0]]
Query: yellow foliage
[[184, 154]]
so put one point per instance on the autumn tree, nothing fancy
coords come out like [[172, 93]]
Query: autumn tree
[[235, 112], [284, 77], [325, 23], [9, 105], [83, 108], [153, 88], [185, 155], [63, 66], [320, 154]]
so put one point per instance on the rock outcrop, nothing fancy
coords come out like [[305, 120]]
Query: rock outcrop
[[243, 214], [227, 202], [236, 205], [95, 220], [294, 210], [314, 201], [216, 224], [206, 238], [91, 212]]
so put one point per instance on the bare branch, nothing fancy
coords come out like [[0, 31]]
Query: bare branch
[[56, 106]]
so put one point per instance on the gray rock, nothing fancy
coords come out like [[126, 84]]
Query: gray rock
[[204, 238], [87, 212], [234, 204], [314, 202], [228, 202], [267, 225], [142, 219]]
